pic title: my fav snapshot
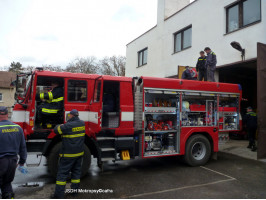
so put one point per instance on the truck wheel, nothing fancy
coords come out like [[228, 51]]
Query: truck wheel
[[53, 160], [198, 150]]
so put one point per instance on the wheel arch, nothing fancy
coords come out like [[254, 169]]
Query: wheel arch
[[206, 134], [50, 144]]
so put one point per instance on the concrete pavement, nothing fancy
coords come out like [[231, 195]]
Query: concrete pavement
[[229, 177], [239, 148]]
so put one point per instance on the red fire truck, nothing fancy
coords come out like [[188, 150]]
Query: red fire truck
[[128, 118]]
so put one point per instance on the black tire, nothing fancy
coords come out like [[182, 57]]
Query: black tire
[[198, 150], [53, 160]]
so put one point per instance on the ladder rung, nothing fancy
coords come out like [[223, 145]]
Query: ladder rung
[[105, 138], [108, 149], [107, 159]]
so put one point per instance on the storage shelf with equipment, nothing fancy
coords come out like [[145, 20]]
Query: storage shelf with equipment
[[161, 123], [228, 113], [199, 109]]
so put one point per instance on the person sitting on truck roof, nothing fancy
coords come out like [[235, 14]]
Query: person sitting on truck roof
[[53, 102], [188, 74]]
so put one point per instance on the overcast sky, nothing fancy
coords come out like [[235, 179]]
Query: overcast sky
[[54, 32]]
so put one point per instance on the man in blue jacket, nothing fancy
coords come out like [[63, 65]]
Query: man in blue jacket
[[250, 121], [12, 143], [211, 62], [188, 74], [72, 151]]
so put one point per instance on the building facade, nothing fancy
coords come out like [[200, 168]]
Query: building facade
[[7, 92], [184, 29]]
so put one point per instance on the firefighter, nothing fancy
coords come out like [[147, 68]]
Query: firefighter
[[71, 154], [211, 62], [12, 143], [201, 67], [53, 102], [250, 121]]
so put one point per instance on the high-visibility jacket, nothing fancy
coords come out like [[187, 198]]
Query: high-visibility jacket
[[201, 64], [73, 135], [12, 141], [54, 100], [250, 120]]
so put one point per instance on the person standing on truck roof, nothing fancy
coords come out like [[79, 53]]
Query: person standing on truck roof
[[72, 151], [201, 67], [12, 143], [211, 62], [53, 102], [250, 121]]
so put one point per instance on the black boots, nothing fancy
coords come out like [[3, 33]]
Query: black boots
[[253, 148], [8, 196]]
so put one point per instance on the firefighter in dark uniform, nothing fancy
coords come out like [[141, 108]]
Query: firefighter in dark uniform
[[250, 121], [12, 143], [201, 67], [53, 102], [72, 151]]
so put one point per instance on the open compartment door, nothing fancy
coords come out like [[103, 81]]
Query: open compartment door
[[95, 107]]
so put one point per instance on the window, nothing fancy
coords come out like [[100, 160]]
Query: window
[[97, 91], [233, 18], [1, 97], [77, 90], [243, 13], [183, 39], [142, 57]]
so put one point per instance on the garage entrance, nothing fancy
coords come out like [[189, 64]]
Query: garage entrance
[[245, 74], [251, 74]]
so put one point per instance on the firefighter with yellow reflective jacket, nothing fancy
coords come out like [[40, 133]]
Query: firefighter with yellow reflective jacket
[[53, 102], [71, 153]]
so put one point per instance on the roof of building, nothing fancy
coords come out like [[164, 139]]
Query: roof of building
[[6, 78]]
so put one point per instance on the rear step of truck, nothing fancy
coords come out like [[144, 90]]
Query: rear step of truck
[[107, 147]]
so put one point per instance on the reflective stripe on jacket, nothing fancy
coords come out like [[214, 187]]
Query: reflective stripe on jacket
[[201, 64], [250, 120], [54, 100], [12, 141], [73, 135]]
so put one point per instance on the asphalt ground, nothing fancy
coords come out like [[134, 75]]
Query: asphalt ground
[[228, 177]]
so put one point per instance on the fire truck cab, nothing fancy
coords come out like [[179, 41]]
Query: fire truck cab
[[126, 118]]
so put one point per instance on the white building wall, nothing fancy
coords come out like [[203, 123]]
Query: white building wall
[[208, 20]]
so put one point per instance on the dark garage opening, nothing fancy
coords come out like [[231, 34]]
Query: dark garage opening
[[245, 74]]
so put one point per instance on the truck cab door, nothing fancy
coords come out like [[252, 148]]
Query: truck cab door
[[95, 107]]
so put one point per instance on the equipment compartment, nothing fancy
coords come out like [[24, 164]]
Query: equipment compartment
[[199, 109], [161, 123], [229, 113]]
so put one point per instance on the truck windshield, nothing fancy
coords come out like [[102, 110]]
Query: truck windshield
[[23, 84]]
